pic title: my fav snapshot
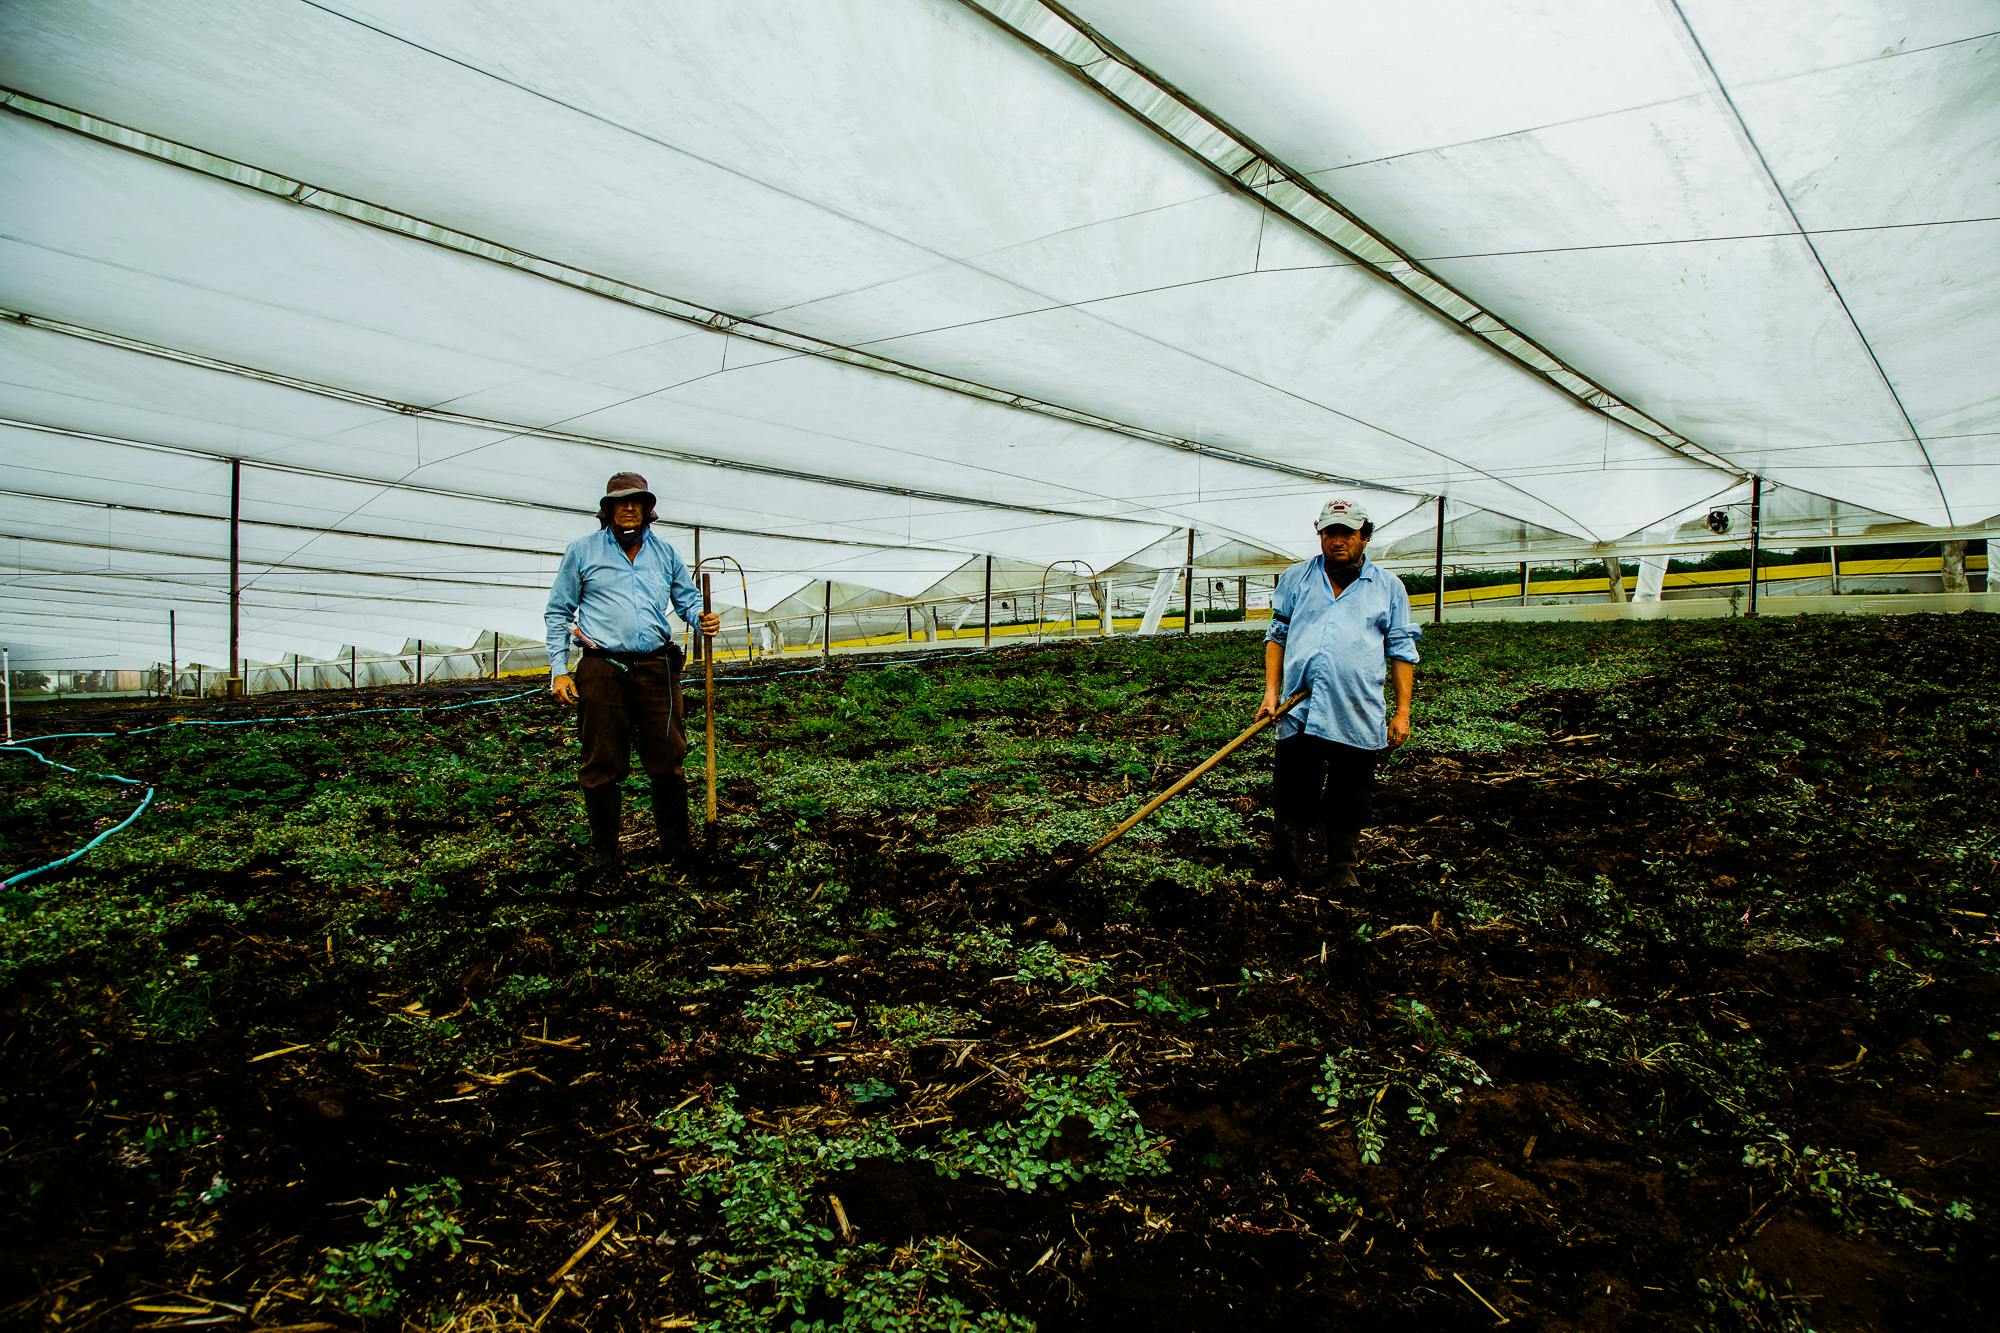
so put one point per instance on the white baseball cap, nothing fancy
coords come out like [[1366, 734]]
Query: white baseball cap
[[1342, 513]]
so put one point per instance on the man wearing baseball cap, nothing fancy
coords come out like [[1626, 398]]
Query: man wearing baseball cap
[[1340, 626], [611, 596]]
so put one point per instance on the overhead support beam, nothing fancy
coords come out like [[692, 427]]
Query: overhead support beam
[[1248, 169], [517, 430], [304, 194], [405, 487]]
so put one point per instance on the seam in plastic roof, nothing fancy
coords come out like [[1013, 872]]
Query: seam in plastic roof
[[307, 195], [1073, 46]]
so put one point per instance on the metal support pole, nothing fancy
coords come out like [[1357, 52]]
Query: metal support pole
[[197, 680], [1524, 583], [909, 625], [496, 654], [420, 661], [235, 557], [826, 634], [1437, 600], [295, 671], [1187, 588], [1243, 595], [7, 686], [986, 631], [173, 651], [1756, 531], [353, 675]]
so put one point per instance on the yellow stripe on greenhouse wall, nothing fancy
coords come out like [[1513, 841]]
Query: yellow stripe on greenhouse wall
[[1086, 626], [1701, 578]]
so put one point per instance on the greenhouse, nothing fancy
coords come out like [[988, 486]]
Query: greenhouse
[[991, 374]]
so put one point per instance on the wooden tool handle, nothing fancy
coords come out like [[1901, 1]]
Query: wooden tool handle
[[1188, 781], [708, 696]]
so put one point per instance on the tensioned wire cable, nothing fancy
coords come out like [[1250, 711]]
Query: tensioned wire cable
[[433, 578], [431, 575], [1721, 87], [1782, 455]]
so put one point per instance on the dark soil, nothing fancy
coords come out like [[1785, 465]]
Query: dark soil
[[1704, 903]]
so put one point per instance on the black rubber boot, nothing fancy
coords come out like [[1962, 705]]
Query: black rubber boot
[[1343, 850], [602, 808], [670, 819], [1289, 846]]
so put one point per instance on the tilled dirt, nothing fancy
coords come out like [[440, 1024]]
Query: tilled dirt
[[1588, 1185]]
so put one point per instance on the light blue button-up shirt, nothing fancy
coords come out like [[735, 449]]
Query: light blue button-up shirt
[[620, 605], [1341, 647]]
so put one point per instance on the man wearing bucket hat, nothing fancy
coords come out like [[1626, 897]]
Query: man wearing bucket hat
[[1340, 625], [611, 596]]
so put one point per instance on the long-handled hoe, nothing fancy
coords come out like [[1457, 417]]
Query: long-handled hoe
[[1186, 782]]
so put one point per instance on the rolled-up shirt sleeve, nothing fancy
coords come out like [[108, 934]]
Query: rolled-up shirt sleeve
[[681, 590], [1399, 640], [1282, 598], [564, 595]]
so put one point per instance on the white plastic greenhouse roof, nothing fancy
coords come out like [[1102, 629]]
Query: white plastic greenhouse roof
[[872, 289]]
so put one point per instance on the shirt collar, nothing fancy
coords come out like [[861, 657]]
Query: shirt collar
[[645, 537], [1367, 569]]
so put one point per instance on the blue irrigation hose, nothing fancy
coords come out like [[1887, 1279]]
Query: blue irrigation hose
[[144, 801], [22, 747]]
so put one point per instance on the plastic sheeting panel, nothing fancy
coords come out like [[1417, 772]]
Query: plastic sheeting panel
[[1626, 184]]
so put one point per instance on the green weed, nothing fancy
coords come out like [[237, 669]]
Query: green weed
[[362, 1278], [794, 1018], [1361, 1083]]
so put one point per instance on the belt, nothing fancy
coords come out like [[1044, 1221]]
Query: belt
[[617, 657]]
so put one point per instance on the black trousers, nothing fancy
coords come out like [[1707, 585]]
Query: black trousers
[[1315, 780], [619, 709]]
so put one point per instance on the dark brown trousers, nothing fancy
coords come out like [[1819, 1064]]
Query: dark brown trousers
[[1315, 779], [640, 705]]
